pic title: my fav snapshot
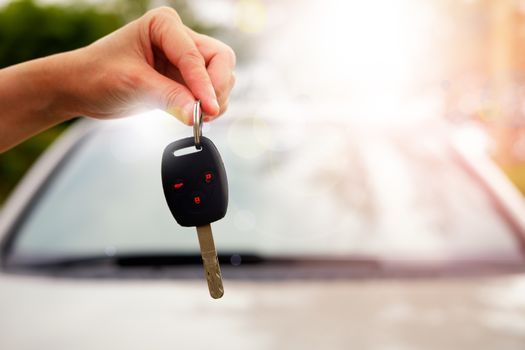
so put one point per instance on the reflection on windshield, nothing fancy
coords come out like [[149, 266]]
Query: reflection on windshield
[[325, 189]]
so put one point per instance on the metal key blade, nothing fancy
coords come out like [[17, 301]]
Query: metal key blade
[[210, 261]]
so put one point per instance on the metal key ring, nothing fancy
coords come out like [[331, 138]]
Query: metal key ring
[[197, 124]]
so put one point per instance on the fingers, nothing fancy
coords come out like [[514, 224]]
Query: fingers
[[167, 32], [223, 83], [170, 95], [220, 60]]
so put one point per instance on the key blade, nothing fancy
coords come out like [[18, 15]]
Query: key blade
[[210, 261]]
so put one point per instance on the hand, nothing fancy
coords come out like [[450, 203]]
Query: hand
[[154, 61]]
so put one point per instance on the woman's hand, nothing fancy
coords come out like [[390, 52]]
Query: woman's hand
[[154, 61]]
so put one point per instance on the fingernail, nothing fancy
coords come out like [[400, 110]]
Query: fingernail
[[184, 114], [174, 111]]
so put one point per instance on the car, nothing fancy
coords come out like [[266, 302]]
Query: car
[[338, 235], [363, 214]]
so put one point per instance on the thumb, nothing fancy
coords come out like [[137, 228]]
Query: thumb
[[170, 96]]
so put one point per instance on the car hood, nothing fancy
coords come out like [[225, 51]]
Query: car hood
[[41, 312]]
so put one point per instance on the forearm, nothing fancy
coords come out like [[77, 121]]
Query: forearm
[[33, 97]]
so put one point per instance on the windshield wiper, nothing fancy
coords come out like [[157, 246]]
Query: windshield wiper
[[121, 260], [176, 260]]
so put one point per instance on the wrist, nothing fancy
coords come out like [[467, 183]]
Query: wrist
[[61, 76], [34, 96]]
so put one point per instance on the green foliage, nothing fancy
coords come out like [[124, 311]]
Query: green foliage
[[29, 30]]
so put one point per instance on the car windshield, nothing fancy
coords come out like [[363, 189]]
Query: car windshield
[[306, 178], [330, 189]]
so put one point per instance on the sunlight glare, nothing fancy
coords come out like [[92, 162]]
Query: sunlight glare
[[371, 55]]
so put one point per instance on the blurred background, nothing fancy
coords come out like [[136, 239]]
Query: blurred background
[[375, 153], [389, 61]]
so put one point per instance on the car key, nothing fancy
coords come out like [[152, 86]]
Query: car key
[[196, 190]]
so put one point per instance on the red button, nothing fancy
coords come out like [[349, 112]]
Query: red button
[[197, 200], [178, 185], [208, 177]]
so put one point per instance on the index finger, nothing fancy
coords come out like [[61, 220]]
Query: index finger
[[167, 32]]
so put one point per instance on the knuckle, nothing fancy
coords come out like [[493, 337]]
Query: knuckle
[[231, 55], [157, 17], [228, 83], [163, 11], [226, 52], [171, 96]]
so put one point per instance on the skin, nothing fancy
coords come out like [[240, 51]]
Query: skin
[[152, 62]]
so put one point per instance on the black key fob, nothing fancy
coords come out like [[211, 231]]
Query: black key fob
[[195, 184]]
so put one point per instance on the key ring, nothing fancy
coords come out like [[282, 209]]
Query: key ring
[[197, 124]]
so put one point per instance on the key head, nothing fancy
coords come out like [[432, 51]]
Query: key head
[[195, 184]]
